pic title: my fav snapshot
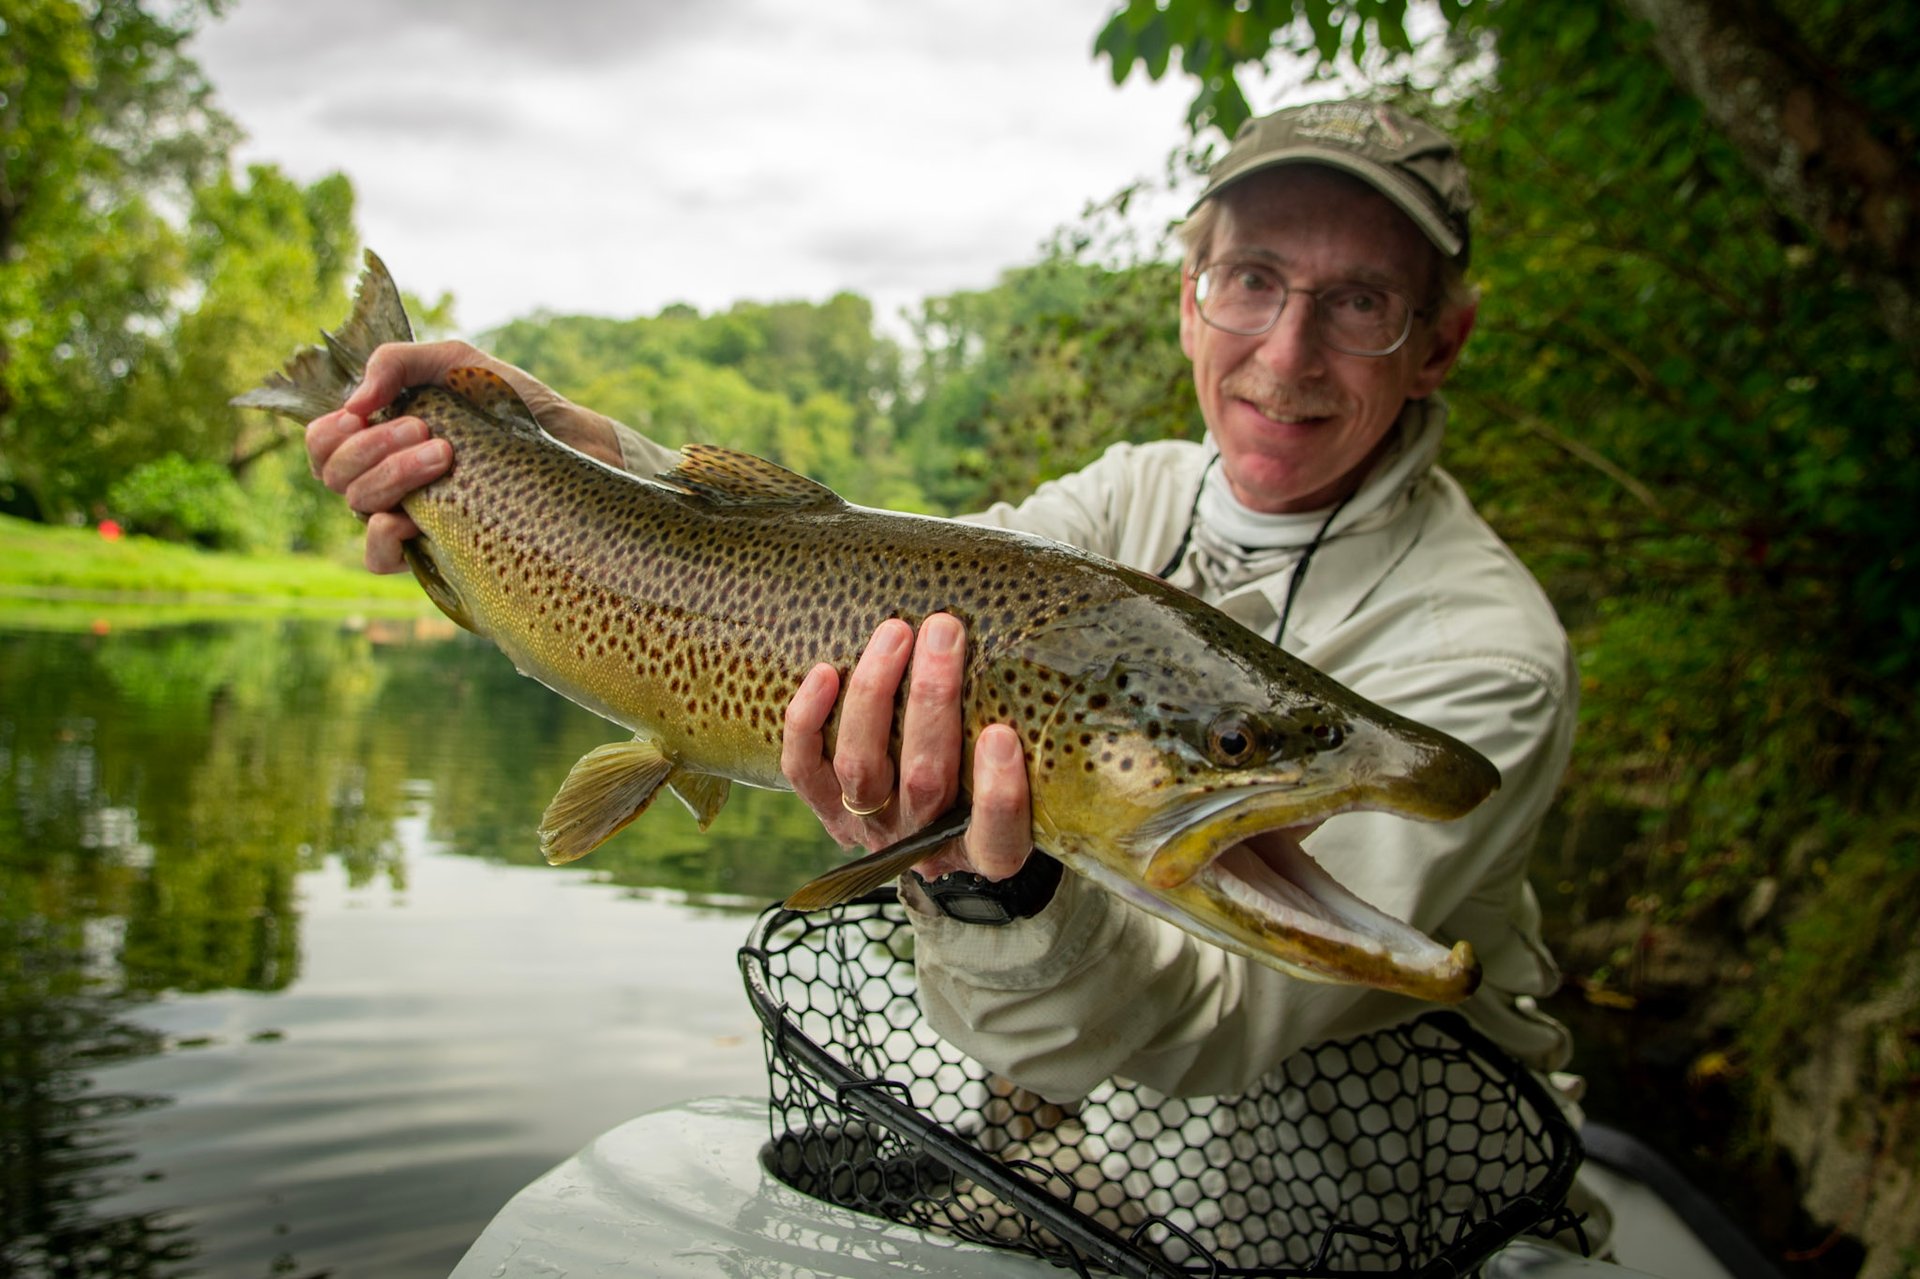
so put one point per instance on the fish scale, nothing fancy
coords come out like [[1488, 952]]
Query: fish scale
[[1160, 735]]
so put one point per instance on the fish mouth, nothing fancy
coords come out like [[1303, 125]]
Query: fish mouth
[[1228, 869], [1270, 900], [1425, 781]]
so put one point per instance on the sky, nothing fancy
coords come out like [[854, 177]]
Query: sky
[[611, 157]]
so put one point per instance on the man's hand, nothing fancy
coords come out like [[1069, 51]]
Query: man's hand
[[856, 794], [375, 467]]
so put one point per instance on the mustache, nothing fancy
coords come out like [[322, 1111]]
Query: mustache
[[1276, 398]]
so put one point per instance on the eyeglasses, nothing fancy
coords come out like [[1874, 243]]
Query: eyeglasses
[[1357, 319]]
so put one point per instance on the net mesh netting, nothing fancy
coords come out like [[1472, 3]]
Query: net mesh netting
[[1417, 1150]]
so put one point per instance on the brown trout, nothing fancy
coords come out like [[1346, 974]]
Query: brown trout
[[1160, 734]]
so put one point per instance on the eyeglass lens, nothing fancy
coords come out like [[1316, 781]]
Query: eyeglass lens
[[1360, 319]]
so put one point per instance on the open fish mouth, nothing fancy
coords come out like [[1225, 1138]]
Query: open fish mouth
[[1229, 875], [1271, 893]]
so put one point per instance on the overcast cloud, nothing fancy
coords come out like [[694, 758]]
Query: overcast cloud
[[613, 156]]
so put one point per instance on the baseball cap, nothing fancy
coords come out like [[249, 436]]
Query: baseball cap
[[1409, 161]]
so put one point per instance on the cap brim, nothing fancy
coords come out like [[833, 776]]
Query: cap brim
[[1378, 176]]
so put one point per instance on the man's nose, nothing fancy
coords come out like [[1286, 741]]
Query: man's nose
[[1292, 347]]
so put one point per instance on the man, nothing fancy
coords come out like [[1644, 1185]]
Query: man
[[1322, 307]]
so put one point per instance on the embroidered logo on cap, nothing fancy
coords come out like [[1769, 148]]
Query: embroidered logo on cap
[[1350, 124]]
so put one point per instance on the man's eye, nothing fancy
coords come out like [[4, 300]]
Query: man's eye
[[1248, 279], [1359, 301]]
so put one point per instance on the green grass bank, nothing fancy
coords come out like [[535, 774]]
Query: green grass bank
[[47, 571]]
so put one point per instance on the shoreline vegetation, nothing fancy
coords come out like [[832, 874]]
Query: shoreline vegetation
[[60, 577]]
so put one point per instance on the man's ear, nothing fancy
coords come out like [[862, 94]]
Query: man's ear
[[1448, 337], [1190, 320]]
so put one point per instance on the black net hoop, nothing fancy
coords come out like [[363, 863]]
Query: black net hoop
[[1418, 1150]]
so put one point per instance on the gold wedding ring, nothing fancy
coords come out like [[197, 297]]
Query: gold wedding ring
[[863, 812]]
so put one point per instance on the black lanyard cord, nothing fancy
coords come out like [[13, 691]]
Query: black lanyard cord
[[1193, 513], [1300, 568]]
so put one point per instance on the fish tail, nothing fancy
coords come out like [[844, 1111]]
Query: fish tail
[[318, 379]]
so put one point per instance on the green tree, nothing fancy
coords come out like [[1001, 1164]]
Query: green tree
[[142, 284], [805, 385], [270, 261], [104, 122], [1814, 97], [1027, 380]]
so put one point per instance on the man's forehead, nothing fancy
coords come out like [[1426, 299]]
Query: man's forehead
[[1281, 216]]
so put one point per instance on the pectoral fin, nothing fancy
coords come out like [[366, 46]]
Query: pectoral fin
[[702, 793], [609, 787], [863, 875]]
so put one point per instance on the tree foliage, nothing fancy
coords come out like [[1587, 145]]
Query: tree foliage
[[142, 284], [1691, 447], [104, 124], [268, 259], [1025, 381], [1218, 41], [806, 385], [1810, 95]]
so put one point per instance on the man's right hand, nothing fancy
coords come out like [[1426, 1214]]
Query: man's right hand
[[857, 792], [376, 466]]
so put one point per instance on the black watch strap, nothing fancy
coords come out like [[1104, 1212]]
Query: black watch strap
[[975, 899]]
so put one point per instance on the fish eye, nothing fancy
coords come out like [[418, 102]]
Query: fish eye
[[1230, 739]]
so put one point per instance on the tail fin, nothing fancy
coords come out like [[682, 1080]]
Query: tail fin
[[318, 379]]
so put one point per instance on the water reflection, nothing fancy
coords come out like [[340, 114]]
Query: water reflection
[[284, 986], [59, 1152]]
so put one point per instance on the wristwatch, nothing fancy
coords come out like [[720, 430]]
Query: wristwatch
[[975, 899]]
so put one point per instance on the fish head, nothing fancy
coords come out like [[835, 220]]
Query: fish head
[[1175, 744]]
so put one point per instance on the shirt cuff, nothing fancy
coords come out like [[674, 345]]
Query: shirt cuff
[[640, 455], [1034, 953]]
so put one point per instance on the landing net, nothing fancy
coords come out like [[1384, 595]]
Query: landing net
[[1418, 1150]]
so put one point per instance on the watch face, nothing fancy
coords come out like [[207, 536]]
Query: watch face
[[969, 898], [975, 908], [975, 899]]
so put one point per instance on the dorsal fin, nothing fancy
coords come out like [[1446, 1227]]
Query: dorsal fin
[[728, 477], [492, 395]]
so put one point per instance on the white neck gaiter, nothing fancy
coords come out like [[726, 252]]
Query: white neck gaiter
[[1231, 544]]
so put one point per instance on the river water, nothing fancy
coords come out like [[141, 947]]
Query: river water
[[285, 988]]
